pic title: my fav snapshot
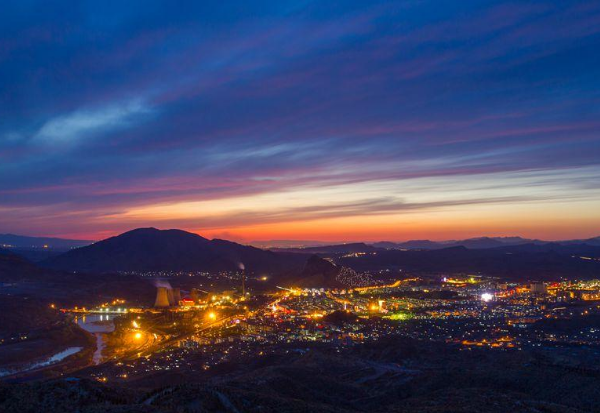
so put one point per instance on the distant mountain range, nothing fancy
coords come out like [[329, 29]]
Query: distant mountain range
[[481, 243], [11, 241], [21, 242], [471, 243], [284, 243], [517, 262], [150, 249], [513, 258], [332, 249]]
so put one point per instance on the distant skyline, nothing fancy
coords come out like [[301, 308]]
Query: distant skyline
[[327, 121]]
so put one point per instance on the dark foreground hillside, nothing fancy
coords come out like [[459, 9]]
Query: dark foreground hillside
[[394, 375]]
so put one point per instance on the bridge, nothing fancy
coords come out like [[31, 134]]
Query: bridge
[[101, 310]]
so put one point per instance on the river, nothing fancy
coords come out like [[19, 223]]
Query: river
[[98, 325], [60, 356]]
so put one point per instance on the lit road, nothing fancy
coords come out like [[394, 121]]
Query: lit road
[[149, 348]]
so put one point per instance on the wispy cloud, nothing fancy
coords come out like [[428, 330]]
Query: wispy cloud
[[86, 123]]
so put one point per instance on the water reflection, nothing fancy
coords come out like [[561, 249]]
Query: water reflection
[[99, 325], [50, 360]]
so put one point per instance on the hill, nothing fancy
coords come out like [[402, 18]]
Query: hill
[[472, 243], [25, 242], [14, 268], [393, 375], [285, 243], [414, 244], [150, 249], [480, 243], [519, 262], [590, 241], [333, 249], [319, 272]]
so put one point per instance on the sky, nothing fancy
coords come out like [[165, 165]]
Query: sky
[[337, 121]]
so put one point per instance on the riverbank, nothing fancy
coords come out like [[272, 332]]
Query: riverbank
[[49, 352], [33, 335]]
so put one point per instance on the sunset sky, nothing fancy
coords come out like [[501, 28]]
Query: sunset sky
[[322, 120]]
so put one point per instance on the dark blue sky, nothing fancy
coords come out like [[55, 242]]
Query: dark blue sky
[[328, 120]]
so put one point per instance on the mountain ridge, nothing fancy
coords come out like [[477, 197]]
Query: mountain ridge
[[28, 242], [151, 249], [425, 244]]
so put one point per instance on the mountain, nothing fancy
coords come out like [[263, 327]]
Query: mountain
[[11, 262], [256, 259], [319, 272], [516, 240], [333, 249], [590, 241], [24, 242], [150, 249], [479, 243], [518, 262], [284, 243], [410, 245], [472, 243], [14, 267], [593, 241], [36, 254]]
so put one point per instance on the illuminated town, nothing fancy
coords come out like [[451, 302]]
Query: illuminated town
[[196, 330]]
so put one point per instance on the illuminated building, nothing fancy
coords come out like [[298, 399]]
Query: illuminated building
[[538, 287]]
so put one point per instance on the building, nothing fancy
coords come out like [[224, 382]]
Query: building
[[538, 287]]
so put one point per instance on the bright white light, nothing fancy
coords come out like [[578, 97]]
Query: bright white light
[[487, 297]]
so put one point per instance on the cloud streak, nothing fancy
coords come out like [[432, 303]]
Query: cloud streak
[[85, 124]]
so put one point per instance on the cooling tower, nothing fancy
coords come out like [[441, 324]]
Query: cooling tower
[[170, 296], [176, 296], [162, 297], [194, 295]]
